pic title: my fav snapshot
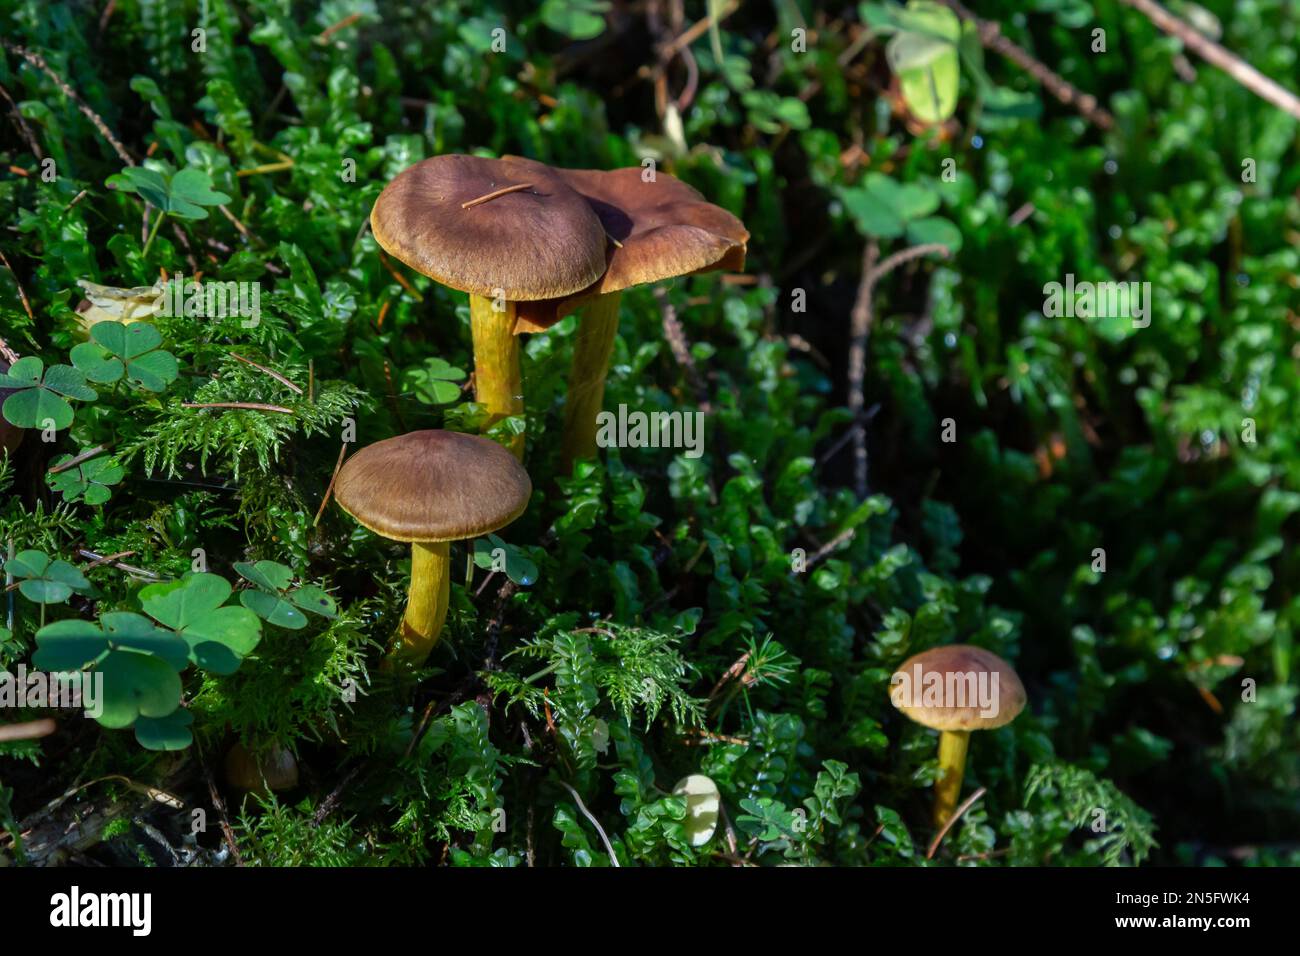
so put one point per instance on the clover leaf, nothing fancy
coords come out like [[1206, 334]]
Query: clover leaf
[[493, 554], [46, 580], [219, 637], [576, 19], [435, 382], [165, 733], [275, 602], [119, 349], [41, 394], [73, 644], [86, 481], [183, 194], [136, 685]]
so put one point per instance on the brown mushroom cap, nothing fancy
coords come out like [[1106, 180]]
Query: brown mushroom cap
[[431, 486], [535, 243], [663, 229], [963, 672], [274, 769]]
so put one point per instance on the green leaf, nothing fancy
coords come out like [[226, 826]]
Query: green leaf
[[122, 349], [72, 644], [137, 685], [88, 481], [491, 552], [275, 602], [267, 575], [40, 394], [182, 194], [576, 19], [46, 580], [191, 190], [934, 229], [165, 733], [434, 383], [273, 609], [925, 57], [193, 608], [69, 645]]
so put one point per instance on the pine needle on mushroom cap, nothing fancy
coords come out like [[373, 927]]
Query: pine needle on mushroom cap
[[431, 486], [523, 243]]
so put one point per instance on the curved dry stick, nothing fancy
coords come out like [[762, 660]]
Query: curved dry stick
[[860, 328], [990, 35], [1215, 55], [613, 860], [30, 730], [38, 61], [957, 814]]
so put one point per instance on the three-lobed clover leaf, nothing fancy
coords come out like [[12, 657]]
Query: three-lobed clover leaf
[[434, 382], [183, 194], [87, 481], [74, 644], [46, 580], [219, 635], [117, 349], [41, 395], [493, 554], [275, 601]]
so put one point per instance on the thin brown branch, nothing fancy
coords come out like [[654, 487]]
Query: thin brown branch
[[990, 34], [252, 406], [220, 806], [38, 61], [613, 859], [952, 820], [76, 460], [860, 328], [333, 28], [30, 730], [329, 489], [1209, 51], [27, 306], [98, 559], [681, 349], [269, 371], [21, 122]]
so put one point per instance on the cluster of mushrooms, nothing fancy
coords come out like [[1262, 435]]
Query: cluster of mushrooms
[[531, 244]]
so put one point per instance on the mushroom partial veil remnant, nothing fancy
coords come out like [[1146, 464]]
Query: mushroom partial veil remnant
[[427, 489], [955, 689], [505, 231], [658, 228], [703, 804]]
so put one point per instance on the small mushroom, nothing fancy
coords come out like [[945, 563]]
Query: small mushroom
[[658, 228], [955, 689], [503, 230], [261, 772], [429, 488], [703, 802]]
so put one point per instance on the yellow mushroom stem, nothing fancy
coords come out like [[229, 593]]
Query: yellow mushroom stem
[[497, 381], [593, 346], [952, 766], [426, 602]]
